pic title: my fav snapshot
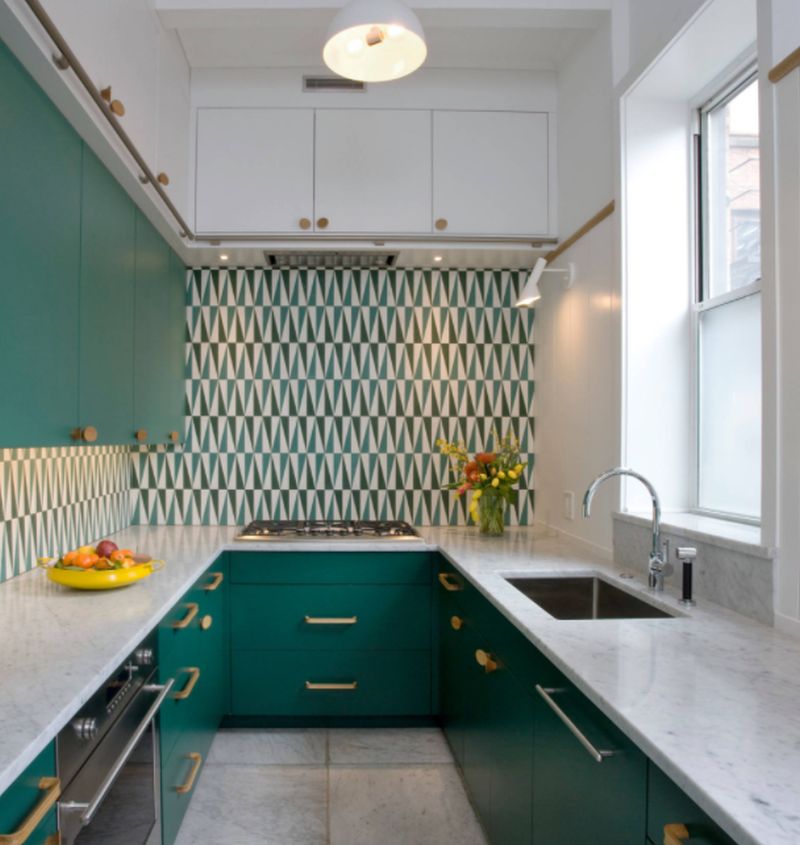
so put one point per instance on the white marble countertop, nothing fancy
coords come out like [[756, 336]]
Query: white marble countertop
[[711, 697]]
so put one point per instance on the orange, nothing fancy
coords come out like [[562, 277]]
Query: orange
[[86, 561], [118, 556], [70, 558]]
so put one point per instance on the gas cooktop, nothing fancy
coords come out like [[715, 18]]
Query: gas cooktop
[[325, 529]]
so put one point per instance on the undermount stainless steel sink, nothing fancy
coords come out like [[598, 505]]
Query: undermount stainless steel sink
[[585, 597]]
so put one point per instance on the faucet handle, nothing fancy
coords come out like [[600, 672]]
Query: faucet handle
[[686, 554]]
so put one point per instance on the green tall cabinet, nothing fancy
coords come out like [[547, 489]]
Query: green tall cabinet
[[40, 220]]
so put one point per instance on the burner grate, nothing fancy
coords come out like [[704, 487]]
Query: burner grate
[[325, 529]]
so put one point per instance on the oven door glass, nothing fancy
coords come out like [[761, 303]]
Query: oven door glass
[[128, 815]]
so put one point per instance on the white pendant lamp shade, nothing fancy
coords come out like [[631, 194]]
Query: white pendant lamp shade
[[375, 41]]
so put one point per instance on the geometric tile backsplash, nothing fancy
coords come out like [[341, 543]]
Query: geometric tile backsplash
[[322, 393], [51, 500]]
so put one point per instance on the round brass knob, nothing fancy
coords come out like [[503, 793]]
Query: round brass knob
[[115, 105], [163, 179], [486, 660], [441, 224], [140, 434], [305, 223], [323, 223], [173, 437], [206, 622], [456, 623], [88, 434]]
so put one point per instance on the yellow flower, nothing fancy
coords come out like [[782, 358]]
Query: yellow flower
[[518, 468], [512, 475], [476, 495], [501, 474], [495, 482], [483, 476]]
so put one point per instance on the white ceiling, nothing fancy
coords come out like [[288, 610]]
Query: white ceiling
[[487, 38]]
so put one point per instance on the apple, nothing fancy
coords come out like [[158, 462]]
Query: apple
[[105, 548]]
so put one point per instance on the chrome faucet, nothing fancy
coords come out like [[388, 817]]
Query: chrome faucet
[[659, 566]]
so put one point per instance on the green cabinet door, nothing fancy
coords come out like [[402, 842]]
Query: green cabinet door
[[40, 218], [159, 332], [576, 799], [108, 237], [455, 673], [32, 793]]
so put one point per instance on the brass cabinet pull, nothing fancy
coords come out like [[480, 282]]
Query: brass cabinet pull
[[450, 582], [310, 685], [597, 754], [115, 106], [305, 223], [88, 434], [674, 834], [194, 673], [217, 579], [206, 622], [163, 179], [441, 224], [140, 434], [197, 762], [323, 223], [486, 660], [331, 620], [456, 623], [192, 609], [52, 790], [173, 437]]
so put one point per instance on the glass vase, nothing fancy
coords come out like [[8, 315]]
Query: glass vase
[[491, 513]]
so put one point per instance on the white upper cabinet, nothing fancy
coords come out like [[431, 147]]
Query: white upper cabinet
[[373, 171], [255, 171], [490, 173]]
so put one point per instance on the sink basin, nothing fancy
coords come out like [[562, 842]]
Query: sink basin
[[585, 597]]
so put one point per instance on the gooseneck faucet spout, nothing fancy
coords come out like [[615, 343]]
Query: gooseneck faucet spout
[[658, 552]]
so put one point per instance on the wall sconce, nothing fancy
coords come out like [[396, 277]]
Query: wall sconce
[[531, 293]]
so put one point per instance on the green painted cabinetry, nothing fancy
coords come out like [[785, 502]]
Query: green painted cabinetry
[[32, 797], [40, 240], [108, 238], [193, 651]]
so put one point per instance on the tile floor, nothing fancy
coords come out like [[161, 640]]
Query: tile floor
[[330, 787]]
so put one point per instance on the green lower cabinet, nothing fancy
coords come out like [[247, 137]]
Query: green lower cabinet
[[667, 804], [33, 794], [576, 799], [455, 689], [180, 772]]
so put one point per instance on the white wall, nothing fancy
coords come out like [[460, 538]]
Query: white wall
[[576, 404]]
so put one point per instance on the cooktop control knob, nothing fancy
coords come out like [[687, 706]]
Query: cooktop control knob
[[85, 728], [144, 656]]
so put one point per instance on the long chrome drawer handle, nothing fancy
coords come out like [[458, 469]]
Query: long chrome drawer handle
[[192, 609], [52, 789], [197, 762], [310, 685], [331, 620], [183, 694], [597, 755]]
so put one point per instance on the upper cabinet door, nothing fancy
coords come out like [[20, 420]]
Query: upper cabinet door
[[108, 243], [373, 171], [255, 170], [40, 220], [490, 173]]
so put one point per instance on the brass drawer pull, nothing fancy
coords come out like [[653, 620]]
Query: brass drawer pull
[[192, 610], [456, 623], [206, 622], [483, 658], [197, 762], [305, 224], [450, 583], [52, 790], [674, 834], [190, 684], [441, 224], [141, 435], [88, 434], [331, 620], [173, 437], [323, 223], [310, 685], [217, 579], [597, 754]]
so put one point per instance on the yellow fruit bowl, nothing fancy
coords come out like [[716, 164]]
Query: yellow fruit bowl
[[107, 579]]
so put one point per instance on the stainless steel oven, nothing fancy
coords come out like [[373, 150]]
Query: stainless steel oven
[[108, 759]]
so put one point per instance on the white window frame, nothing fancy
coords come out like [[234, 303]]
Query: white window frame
[[700, 303]]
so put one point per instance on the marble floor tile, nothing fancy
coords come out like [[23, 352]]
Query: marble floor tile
[[390, 746], [403, 805], [257, 805], [300, 747]]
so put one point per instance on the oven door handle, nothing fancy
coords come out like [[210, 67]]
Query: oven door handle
[[88, 809]]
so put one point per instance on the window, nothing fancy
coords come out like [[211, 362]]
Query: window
[[728, 305]]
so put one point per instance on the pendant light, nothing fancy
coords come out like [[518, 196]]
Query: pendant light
[[375, 41]]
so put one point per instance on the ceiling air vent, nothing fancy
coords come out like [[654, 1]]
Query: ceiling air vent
[[332, 83], [332, 260]]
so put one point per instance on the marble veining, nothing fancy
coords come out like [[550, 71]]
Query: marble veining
[[711, 696]]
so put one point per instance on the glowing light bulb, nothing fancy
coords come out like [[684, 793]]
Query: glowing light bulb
[[394, 30], [354, 46]]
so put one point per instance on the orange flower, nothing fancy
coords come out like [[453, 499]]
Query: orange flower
[[486, 458], [472, 471]]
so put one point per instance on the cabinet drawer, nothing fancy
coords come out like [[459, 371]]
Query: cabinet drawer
[[281, 683], [29, 794], [332, 567], [330, 616], [180, 773]]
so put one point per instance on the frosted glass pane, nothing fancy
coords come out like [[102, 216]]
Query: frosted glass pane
[[730, 408]]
